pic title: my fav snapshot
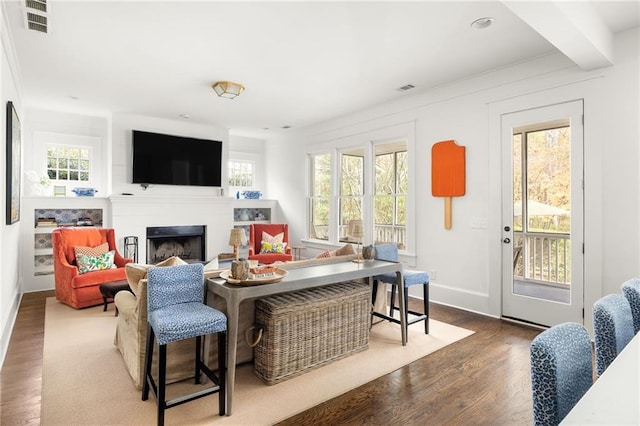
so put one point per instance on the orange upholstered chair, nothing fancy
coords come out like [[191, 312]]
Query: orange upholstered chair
[[255, 242], [72, 287]]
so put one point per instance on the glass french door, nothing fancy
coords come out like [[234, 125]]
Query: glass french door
[[542, 250]]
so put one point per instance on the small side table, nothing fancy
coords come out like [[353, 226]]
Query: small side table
[[109, 290], [296, 252]]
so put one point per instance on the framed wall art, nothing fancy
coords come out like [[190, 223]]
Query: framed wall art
[[14, 146]]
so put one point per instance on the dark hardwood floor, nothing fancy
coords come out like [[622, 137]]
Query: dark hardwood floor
[[480, 380]]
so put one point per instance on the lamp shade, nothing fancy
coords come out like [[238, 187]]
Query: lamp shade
[[237, 237], [356, 229], [227, 89]]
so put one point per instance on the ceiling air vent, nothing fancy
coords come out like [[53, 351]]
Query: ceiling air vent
[[406, 87], [40, 5], [36, 15], [36, 22]]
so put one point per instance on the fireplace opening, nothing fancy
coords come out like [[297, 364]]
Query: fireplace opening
[[186, 242]]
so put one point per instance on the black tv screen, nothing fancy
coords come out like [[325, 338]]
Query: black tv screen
[[176, 160]]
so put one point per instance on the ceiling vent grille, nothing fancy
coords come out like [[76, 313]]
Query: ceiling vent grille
[[36, 15], [406, 87], [40, 5]]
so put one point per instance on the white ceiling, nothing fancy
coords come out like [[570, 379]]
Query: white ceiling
[[301, 62]]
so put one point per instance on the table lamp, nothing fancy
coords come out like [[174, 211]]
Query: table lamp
[[356, 231], [237, 238]]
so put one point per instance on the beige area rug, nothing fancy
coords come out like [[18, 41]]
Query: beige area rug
[[85, 382]]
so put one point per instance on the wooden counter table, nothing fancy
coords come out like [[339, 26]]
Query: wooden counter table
[[296, 279]]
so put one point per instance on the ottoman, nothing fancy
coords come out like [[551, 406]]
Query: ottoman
[[109, 290]]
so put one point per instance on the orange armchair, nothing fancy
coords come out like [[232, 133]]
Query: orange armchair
[[82, 290], [255, 242]]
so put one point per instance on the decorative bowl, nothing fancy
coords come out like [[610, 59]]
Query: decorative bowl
[[252, 195], [84, 192]]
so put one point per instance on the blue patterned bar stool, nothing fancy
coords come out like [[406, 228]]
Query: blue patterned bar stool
[[612, 327], [631, 290], [561, 371], [176, 311], [389, 252]]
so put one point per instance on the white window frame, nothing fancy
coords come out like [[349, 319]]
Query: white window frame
[[254, 160], [42, 140], [394, 226], [310, 195], [70, 181], [342, 223], [367, 140]]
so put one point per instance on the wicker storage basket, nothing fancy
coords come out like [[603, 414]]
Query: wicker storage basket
[[307, 329]]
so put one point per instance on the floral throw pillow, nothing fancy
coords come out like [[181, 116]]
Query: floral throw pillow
[[95, 263], [268, 247]]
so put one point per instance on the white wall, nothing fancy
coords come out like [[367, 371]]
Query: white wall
[[10, 277], [122, 126], [286, 176], [250, 149], [467, 259], [44, 126]]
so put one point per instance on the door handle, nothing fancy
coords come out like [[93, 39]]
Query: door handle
[[506, 241]]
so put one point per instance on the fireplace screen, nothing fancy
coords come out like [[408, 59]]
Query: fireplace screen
[[186, 242]]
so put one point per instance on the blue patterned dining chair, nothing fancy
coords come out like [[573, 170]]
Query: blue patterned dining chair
[[612, 327], [389, 252], [561, 371], [631, 290], [176, 311]]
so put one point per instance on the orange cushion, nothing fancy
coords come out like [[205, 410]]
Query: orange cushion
[[98, 277]]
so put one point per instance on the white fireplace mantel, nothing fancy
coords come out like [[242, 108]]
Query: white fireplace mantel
[[132, 214]]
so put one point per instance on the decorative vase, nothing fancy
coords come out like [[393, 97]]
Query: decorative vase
[[240, 269], [369, 252]]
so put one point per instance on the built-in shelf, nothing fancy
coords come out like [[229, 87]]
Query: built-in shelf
[[42, 247], [248, 212], [249, 222], [64, 211]]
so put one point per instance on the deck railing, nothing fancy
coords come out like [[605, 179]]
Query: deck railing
[[382, 234], [545, 258]]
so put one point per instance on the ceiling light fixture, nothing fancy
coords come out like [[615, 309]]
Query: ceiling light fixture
[[228, 89], [482, 23]]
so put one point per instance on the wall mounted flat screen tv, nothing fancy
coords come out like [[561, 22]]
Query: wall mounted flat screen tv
[[176, 160]]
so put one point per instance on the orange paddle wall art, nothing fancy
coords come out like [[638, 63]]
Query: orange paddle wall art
[[447, 174]]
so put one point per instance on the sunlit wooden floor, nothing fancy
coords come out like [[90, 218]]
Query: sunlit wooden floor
[[481, 380]]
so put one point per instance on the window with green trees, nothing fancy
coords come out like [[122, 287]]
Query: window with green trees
[[390, 194], [385, 208], [320, 193], [241, 173], [68, 163], [351, 188]]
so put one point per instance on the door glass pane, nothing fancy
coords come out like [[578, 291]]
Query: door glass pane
[[542, 178], [549, 180], [517, 182]]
